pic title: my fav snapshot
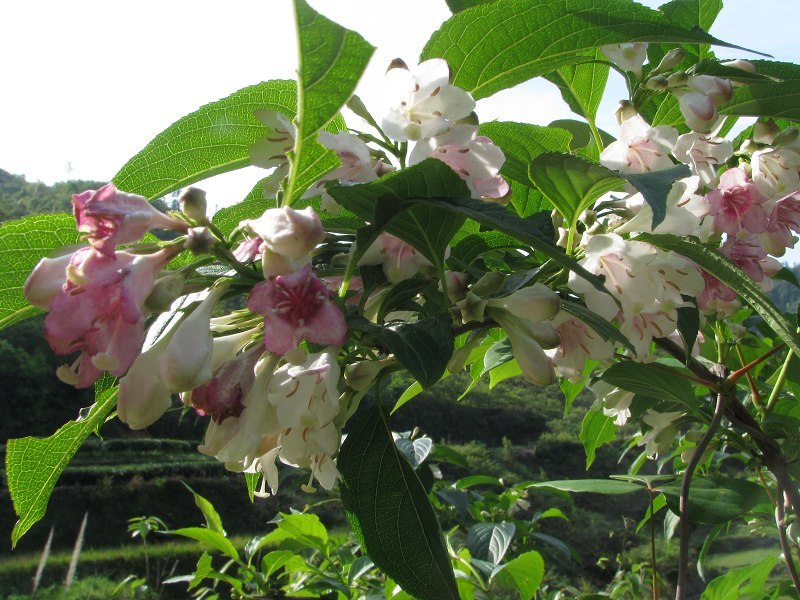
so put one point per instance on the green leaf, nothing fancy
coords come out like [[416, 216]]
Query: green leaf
[[210, 538], [490, 541], [688, 325], [23, 243], [227, 219], [213, 520], [299, 530], [214, 139], [459, 5], [275, 560], [521, 143], [530, 38], [507, 370], [571, 183], [527, 201], [715, 500], [583, 142], [332, 59], [649, 381], [610, 487], [728, 273], [423, 347], [655, 187], [396, 203], [390, 513], [498, 353], [777, 99], [688, 14], [582, 85], [524, 574], [529, 231], [596, 431], [33, 465], [729, 585]]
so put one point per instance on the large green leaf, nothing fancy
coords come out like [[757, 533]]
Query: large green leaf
[[423, 347], [390, 513], [24, 243], [649, 381], [524, 574], [332, 59], [521, 143], [495, 46], [715, 500], [490, 541], [571, 183], [596, 431], [209, 537], [728, 273], [655, 186], [777, 99], [214, 139], [582, 85], [729, 586], [33, 465], [688, 14], [227, 219]]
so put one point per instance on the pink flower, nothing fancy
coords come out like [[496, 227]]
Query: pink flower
[[783, 220], [297, 307], [223, 395], [109, 217], [289, 237], [716, 297], [475, 159], [99, 312], [249, 249], [751, 258], [400, 260], [640, 148], [737, 204]]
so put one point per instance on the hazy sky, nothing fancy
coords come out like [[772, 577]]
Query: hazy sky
[[90, 82]]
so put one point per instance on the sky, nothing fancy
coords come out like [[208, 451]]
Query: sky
[[89, 83]]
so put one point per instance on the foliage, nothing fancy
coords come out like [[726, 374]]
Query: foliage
[[554, 253]]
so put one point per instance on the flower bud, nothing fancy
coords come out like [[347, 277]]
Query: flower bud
[[671, 60], [677, 79], [658, 83], [625, 111], [360, 375], [764, 132], [535, 303], [200, 240], [165, 291], [289, 237], [194, 205], [187, 360], [787, 137], [45, 281], [471, 307], [489, 284]]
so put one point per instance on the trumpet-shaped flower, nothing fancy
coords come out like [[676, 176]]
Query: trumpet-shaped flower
[[270, 151], [737, 204], [640, 148], [110, 217], [297, 307], [475, 159], [783, 220], [400, 260], [628, 57], [223, 395], [424, 103], [659, 439], [306, 394], [703, 153], [48, 277], [775, 171], [99, 312], [288, 236]]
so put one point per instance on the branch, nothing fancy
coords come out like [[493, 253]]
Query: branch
[[683, 556], [780, 521]]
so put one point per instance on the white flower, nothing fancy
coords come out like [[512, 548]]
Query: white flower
[[659, 439], [616, 401], [475, 159], [703, 153], [425, 103], [577, 343], [775, 171], [628, 57], [270, 151], [535, 303], [640, 148], [289, 237]]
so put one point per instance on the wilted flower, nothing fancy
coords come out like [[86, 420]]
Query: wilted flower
[[110, 217]]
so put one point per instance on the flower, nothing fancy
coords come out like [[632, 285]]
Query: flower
[[659, 439], [775, 171], [616, 401], [535, 303], [628, 57], [737, 204], [428, 104], [48, 277], [698, 97], [222, 396], [703, 153], [305, 395], [475, 159], [783, 220], [297, 307], [186, 363], [400, 260], [577, 343], [640, 148], [110, 217], [288, 236], [270, 151], [99, 312]]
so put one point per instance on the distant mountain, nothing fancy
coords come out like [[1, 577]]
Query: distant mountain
[[19, 198]]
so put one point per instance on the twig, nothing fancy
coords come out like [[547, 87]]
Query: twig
[[686, 480], [734, 377], [780, 521], [753, 390], [778, 386]]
